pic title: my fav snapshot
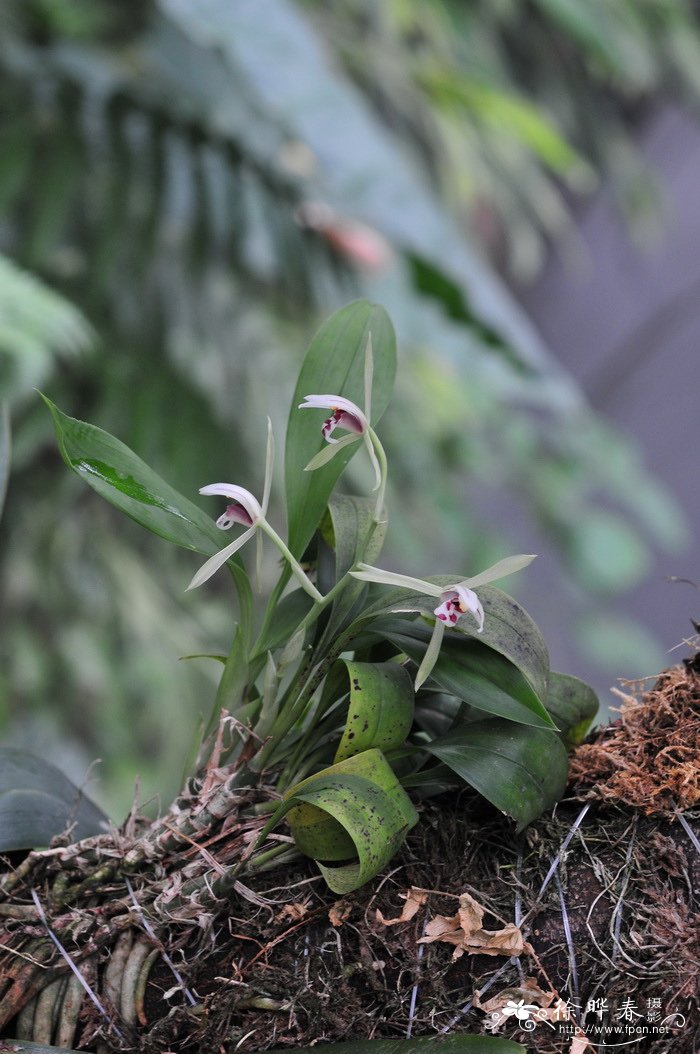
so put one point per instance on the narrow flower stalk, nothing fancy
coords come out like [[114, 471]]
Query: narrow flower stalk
[[454, 600], [244, 509]]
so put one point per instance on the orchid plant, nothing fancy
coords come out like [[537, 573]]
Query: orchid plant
[[352, 690]]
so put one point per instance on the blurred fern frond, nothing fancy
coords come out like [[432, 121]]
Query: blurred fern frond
[[37, 326]]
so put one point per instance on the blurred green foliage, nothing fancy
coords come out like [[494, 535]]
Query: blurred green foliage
[[204, 181]]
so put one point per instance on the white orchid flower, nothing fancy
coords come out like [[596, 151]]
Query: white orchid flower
[[348, 415], [245, 509], [454, 600], [345, 414]]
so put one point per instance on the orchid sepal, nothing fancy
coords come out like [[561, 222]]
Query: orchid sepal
[[368, 573], [327, 453], [432, 654], [219, 559], [455, 600]]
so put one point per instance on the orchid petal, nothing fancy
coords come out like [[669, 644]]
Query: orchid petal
[[219, 559], [269, 463], [328, 452], [332, 402], [369, 375], [367, 573], [240, 494], [456, 601], [337, 402], [431, 654], [235, 513], [507, 566]]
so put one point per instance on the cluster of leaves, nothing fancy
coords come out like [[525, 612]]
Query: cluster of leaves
[[159, 162], [320, 689]]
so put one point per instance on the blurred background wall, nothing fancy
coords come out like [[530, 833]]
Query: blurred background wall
[[187, 187], [625, 320]]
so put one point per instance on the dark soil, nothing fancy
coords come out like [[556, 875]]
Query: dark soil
[[618, 922], [303, 968]]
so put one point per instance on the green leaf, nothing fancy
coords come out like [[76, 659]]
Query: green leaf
[[472, 671], [18, 1045], [380, 713], [572, 704], [356, 812], [37, 802], [355, 536], [508, 629], [422, 1045], [116, 473], [520, 770], [334, 364], [289, 612]]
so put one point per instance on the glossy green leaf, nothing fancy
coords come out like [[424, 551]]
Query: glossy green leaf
[[354, 812], [120, 476], [520, 770], [572, 704], [334, 364], [422, 1045], [472, 671], [380, 713], [37, 802], [508, 629]]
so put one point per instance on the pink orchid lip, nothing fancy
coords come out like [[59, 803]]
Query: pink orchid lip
[[345, 414], [244, 508], [235, 513], [342, 419], [456, 601]]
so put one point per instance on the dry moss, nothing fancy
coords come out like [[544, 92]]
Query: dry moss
[[648, 758]]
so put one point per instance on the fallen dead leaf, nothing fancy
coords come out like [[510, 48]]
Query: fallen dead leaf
[[339, 912], [293, 912], [529, 991], [414, 899], [466, 932]]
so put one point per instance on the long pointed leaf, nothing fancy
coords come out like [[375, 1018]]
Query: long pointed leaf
[[520, 770], [508, 629], [334, 363], [421, 1045], [120, 476], [355, 536], [472, 671]]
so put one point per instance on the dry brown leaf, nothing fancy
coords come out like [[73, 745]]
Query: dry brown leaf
[[292, 912], [414, 899], [528, 990], [466, 932], [339, 912]]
